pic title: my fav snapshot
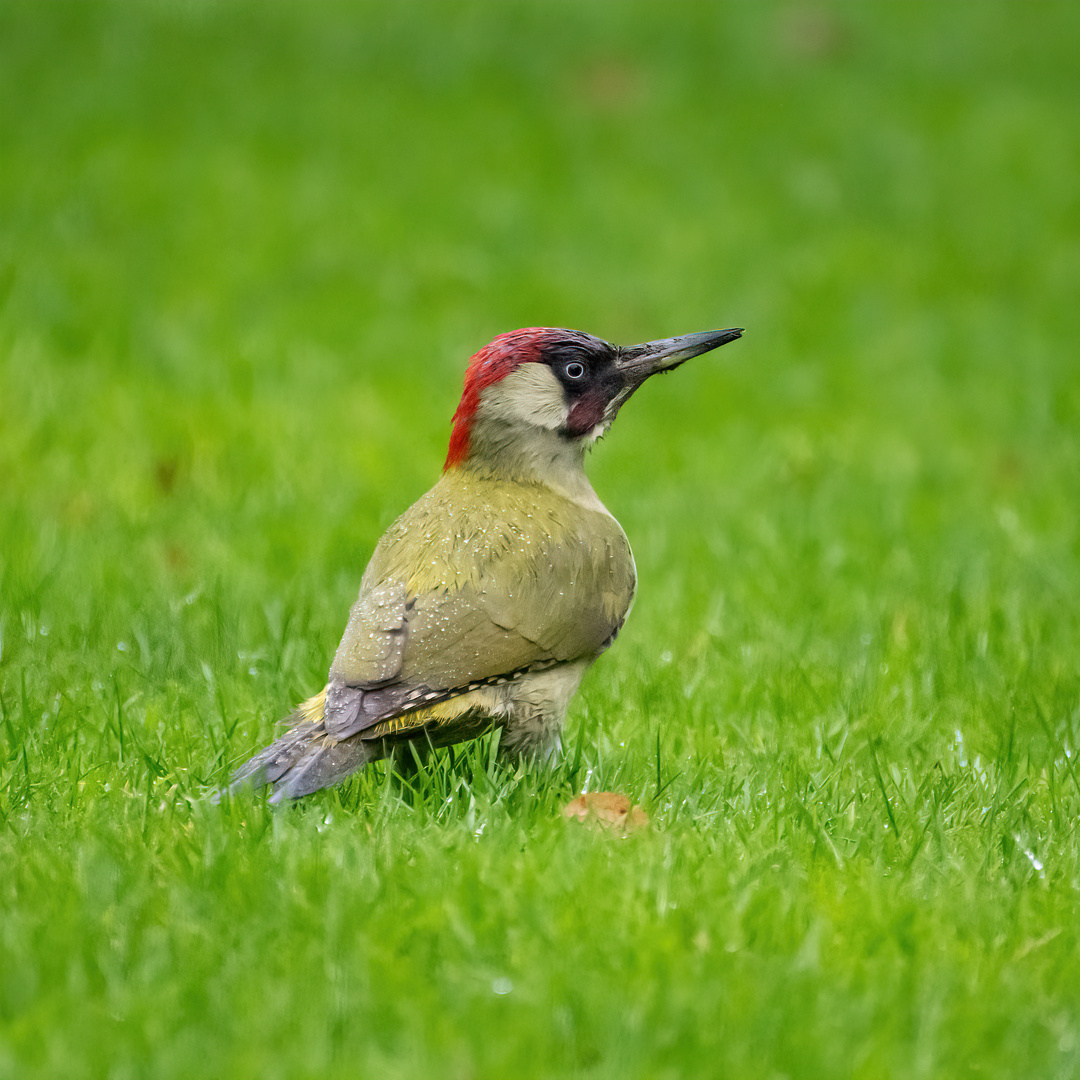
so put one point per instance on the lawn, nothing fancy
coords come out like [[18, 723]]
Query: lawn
[[246, 251]]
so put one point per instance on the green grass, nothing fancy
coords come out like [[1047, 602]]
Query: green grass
[[246, 252]]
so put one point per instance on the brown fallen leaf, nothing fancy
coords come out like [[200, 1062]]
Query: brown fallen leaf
[[608, 809]]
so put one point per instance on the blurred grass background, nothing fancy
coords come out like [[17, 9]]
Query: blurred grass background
[[246, 252]]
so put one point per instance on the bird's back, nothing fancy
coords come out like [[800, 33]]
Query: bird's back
[[493, 575]]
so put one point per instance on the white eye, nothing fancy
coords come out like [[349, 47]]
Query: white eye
[[574, 370]]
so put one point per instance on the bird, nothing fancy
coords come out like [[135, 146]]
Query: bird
[[483, 605]]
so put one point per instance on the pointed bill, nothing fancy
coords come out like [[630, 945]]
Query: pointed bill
[[638, 362]]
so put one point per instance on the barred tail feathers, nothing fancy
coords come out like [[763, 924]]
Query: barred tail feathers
[[305, 758]]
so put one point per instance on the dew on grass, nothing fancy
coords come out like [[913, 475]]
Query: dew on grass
[[502, 985], [959, 744], [1035, 862]]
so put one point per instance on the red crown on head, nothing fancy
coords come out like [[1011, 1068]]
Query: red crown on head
[[491, 365]]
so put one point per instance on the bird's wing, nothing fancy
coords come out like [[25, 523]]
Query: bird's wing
[[468, 592]]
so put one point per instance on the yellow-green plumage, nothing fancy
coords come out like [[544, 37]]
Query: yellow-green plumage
[[484, 603], [487, 575], [484, 578]]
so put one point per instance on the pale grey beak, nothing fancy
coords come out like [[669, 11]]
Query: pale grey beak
[[638, 362]]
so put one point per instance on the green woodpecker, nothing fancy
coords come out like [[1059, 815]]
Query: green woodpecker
[[486, 601]]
